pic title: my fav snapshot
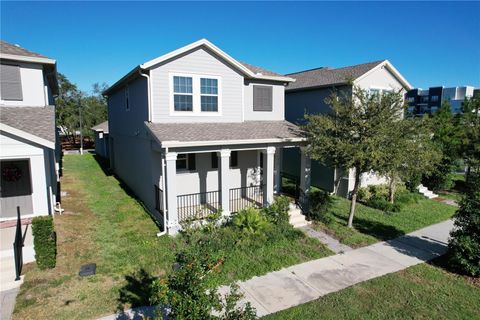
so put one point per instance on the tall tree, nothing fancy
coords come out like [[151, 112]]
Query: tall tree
[[408, 151], [447, 134], [352, 133], [470, 123]]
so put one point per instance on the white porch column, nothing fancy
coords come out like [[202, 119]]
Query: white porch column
[[224, 180], [268, 157], [278, 169], [305, 165], [173, 225]]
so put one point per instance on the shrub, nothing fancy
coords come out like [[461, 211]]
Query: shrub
[[251, 221], [44, 242], [320, 203], [277, 213], [383, 204], [464, 243], [406, 197]]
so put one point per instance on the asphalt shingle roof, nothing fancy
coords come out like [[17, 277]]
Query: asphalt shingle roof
[[7, 48], [263, 71], [101, 127], [329, 76], [248, 130], [39, 121]]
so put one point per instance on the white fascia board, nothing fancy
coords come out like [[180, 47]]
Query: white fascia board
[[219, 52], [393, 70], [27, 59], [27, 136], [171, 144]]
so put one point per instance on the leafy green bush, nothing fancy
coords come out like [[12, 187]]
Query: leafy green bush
[[406, 197], [44, 242], [187, 293], [383, 204], [251, 221], [464, 243], [277, 213], [320, 203]]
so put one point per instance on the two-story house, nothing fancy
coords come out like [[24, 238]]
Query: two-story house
[[307, 95], [195, 131], [28, 154]]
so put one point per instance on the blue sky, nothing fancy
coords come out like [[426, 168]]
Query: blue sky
[[430, 43]]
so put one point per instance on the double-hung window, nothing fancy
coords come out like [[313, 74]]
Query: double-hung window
[[182, 93], [209, 95]]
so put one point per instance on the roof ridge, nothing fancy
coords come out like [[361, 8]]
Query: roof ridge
[[338, 68]]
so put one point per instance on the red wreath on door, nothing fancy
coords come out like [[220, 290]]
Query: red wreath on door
[[12, 173]]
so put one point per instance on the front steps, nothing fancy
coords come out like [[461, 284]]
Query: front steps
[[427, 193], [296, 218]]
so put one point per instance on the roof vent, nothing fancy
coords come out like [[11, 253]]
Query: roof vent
[[17, 45]]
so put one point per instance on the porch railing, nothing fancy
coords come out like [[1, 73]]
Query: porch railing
[[18, 247], [244, 197], [198, 205]]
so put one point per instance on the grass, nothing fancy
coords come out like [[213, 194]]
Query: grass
[[372, 225], [103, 223], [421, 292]]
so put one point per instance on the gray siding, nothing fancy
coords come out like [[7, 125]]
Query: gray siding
[[278, 106], [201, 62]]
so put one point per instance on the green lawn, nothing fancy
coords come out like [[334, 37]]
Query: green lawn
[[420, 292], [102, 223], [372, 225]]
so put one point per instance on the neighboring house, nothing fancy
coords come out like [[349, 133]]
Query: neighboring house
[[101, 140], [427, 101], [28, 141], [307, 95], [195, 131], [28, 150]]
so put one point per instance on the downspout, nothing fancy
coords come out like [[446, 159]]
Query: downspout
[[164, 198], [149, 95]]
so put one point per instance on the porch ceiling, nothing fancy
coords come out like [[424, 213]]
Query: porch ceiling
[[202, 134]]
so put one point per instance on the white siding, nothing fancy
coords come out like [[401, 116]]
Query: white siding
[[16, 148], [197, 62], [278, 107], [380, 79], [33, 87]]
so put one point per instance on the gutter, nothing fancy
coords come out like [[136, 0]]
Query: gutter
[[149, 94]]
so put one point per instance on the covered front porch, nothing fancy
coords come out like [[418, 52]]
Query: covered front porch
[[198, 180]]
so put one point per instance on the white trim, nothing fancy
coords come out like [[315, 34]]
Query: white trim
[[220, 53], [172, 144], [392, 69], [196, 95], [27, 136], [27, 59]]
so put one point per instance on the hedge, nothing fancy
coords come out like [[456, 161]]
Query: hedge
[[44, 242]]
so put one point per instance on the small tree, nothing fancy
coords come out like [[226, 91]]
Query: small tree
[[464, 244], [408, 153], [351, 135]]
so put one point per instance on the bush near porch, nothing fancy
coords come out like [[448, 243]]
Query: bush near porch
[[104, 223], [372, 225]]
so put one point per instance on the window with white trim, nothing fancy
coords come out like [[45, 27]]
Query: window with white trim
[[186, 161], [209, 95], [183, 93]]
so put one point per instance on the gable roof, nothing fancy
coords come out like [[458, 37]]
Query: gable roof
[[14, 52], [207, 134], [101, 127], [322, 77], [36, 124], [249, 71]]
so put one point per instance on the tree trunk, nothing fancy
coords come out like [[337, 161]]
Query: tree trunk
[[391, 189], [354, 197]]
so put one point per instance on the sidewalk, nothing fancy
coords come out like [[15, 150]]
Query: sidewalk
[[309, 281]]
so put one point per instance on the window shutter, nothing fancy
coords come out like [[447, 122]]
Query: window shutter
[[214, 160], [11, 84], [234, 159], [262, 98], [191, 161]]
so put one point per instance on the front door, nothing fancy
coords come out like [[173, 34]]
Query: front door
[[16, 188]]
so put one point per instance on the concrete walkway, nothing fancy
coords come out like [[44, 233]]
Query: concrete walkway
[[331, 243], [311, 280]]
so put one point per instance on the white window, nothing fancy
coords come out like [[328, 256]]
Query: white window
[[183, 93], [209, 95], [197, 95]]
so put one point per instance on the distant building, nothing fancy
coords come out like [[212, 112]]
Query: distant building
[[429, 100]]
